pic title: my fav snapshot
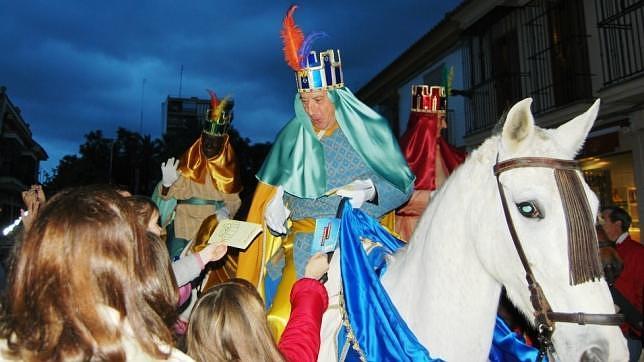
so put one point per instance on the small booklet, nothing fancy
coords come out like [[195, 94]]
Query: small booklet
[[325, 237], [235, 233]]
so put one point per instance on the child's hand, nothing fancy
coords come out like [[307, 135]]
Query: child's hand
[[317, 266], [213, 252]]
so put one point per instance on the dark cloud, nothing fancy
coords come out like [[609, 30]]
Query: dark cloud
[[77, 66]]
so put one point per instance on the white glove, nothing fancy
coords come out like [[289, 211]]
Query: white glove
[[358, 192], [222, 213], [277, 213], [169, 172]]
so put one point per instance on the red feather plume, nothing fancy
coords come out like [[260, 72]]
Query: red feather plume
[[214, 101], [292, 36]]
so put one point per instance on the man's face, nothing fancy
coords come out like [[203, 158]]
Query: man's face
[[442, 122], [211, 145], [319, 108], [613, 229]]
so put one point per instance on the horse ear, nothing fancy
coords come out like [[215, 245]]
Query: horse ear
[[572, 134], [519, 125]]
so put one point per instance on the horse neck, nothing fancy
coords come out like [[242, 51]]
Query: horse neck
[[437, 282]]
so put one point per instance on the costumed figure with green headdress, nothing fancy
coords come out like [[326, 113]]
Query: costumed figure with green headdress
[[204, 184], [335, 146]]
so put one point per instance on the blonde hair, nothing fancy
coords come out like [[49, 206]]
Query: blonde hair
[[81, 252], [228, 323]]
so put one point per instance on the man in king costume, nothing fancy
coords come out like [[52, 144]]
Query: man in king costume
[[429, 155], [334, 147], [204, 182]]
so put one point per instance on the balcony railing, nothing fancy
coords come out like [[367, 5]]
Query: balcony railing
[[489, 99], [621, 36], [538, 51]]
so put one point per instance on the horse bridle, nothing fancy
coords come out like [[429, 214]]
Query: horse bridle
[[545, 318], [606, 244]]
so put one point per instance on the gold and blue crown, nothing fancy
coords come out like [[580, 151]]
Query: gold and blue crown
[[313, 70], [321, 70]]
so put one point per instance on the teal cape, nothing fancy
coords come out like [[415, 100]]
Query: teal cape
[[296, 160]]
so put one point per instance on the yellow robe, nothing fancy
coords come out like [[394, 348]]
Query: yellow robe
[[252, 262]]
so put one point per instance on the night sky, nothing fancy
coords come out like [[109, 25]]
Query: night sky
[[77, 66]]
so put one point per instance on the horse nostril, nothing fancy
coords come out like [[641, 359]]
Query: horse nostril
[[593, 354]]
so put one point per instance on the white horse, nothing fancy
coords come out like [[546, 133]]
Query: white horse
[[446, 282]]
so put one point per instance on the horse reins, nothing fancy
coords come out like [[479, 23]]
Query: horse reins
[[545, 318]]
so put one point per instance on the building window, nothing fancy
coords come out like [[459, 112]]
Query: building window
[[537, 50], [190, 107], [568, 52], [493, 65], [506, 71], [621, 37]]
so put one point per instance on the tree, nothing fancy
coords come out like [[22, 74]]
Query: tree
[[130, 161], [250, 158], [88, 167], [133, 161]]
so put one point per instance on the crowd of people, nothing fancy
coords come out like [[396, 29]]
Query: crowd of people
[[99, 274], [91, 279]]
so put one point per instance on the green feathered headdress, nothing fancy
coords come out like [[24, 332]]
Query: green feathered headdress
[[219, 116]]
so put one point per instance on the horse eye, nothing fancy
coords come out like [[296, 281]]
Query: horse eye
[[529, 209]]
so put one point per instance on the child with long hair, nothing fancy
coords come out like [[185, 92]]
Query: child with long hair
[[159, 285], [228, 323], [187, 268], [74, 289], [183, 270]]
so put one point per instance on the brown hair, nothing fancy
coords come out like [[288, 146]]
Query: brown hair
[[228, 323], [81, 252], [143, 208], [158, 284]]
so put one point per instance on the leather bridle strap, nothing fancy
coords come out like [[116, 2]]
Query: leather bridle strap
[[588, 318], [544, 316], [543, 162], [606, 244], [539, 302]]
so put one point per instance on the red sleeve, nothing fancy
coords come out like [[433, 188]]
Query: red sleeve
[[301, 338]]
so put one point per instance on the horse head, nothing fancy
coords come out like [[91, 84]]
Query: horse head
[[552, 211]]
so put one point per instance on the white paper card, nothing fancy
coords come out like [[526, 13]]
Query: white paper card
[[235, 233]]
